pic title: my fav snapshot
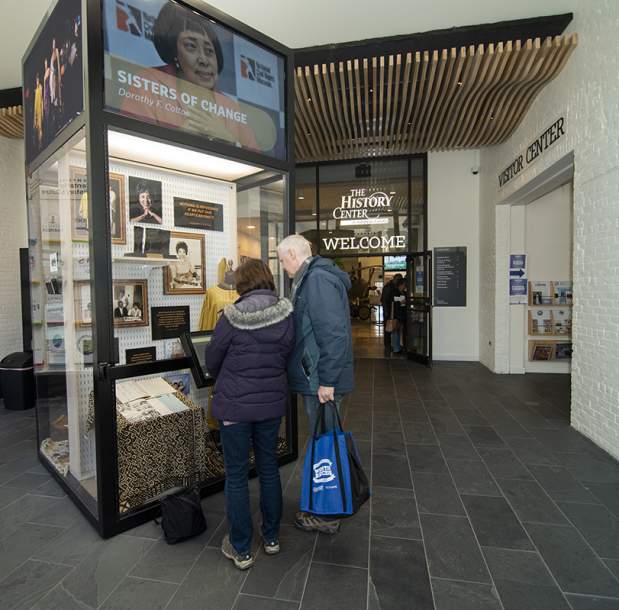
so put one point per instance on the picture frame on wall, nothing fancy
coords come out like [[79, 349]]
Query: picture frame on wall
[[145, 201], [130, 303], [79, 205], [82, 303], [185, 274]]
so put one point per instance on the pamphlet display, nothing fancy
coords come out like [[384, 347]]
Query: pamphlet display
[[550, 316]]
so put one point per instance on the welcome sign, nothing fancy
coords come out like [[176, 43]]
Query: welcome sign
[[366, 221]]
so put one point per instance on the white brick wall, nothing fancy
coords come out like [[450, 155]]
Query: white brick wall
[[587, 94], [13, 235]]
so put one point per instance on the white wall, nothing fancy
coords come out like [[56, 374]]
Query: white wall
[[13, 235], [453, 220], [586, 94]]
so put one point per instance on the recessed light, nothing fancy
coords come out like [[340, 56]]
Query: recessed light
[[250, 227], [309, 100]]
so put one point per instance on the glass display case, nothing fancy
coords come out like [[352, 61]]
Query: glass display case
[[136, 224]]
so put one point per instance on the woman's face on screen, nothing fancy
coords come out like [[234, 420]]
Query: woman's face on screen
[[197, 58]]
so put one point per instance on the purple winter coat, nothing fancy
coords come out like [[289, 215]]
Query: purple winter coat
[[248, 356]]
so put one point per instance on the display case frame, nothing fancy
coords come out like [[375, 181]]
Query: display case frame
[[96, 121]]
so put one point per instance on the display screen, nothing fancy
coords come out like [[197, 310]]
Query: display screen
[[52, 77], [172, 66], [395, 263], [194, 345]]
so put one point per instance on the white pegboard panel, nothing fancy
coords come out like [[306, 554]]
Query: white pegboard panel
[[218, 244]]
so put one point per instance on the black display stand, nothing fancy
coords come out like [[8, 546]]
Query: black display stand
[[95, 120]]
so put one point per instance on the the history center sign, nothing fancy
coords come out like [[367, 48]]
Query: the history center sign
[[366, 220]]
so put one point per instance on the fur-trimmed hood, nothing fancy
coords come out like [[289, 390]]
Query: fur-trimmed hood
[[258, 309]]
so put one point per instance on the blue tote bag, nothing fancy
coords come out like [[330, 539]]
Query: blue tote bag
[[333, 481]]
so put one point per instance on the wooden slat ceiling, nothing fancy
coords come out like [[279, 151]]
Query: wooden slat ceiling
[[415, 102], [11, 122]]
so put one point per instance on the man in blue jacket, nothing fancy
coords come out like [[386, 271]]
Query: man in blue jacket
[[321, 365]]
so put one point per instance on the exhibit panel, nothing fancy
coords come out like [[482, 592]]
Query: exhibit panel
[[62, 341]]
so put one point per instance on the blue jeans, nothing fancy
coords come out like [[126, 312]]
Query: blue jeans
[[236, 440], [312, 404], [395, 341]]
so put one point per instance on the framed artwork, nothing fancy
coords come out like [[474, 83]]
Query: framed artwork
[[83, 303], [130, 303], [145, 203], [185, 273], [180, 381], [79, 205], [542, 351]]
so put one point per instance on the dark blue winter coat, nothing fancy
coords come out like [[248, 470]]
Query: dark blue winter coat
[[323, 353], [248, 355]]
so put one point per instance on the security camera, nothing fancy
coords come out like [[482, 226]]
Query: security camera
[[474, 171]]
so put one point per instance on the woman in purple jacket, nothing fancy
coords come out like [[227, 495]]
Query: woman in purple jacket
[[248, 356]]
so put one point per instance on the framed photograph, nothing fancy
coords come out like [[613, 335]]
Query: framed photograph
[[542, 351], [83, 303], [185, 273], [150, 242], [130, 303], [118, 215], [79, 205], [145, 204], [180, 381]]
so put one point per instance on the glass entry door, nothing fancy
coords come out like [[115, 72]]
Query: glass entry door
[[419, 316]]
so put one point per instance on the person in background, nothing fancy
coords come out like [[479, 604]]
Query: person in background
[[321, 366], [399, 313], [386, 300], [251, 345]]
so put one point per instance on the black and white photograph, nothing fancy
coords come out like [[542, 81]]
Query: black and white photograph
[[185, 274], [145, 200], [130, 303]]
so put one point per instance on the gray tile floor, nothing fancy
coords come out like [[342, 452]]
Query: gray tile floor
[[483, 498]]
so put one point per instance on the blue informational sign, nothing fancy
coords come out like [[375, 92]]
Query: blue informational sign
[[518, 279], [517, 261], [517, 287]]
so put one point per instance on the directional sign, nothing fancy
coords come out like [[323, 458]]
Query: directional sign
[[518, 279]]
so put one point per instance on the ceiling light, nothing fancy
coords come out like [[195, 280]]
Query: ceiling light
[[250, 227], [301, 197], [313, 213], [309, 100], [459, 83]]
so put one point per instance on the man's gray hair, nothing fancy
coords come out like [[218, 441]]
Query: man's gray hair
[[298, 244]]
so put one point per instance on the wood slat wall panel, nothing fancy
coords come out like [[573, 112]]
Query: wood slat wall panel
[[415, 102], [11, 122]]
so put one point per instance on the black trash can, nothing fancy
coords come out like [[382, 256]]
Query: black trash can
[[17, 381]]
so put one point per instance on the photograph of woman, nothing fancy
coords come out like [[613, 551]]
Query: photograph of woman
[[145, 200], [193, 59], [185, 274]]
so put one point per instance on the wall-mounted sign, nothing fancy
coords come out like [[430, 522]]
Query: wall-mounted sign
[[140, 355], [518, 279], [169, 322], [450, 277], [533, 152], [172, 66], [366, 242], [361, 206], [198, 214]]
